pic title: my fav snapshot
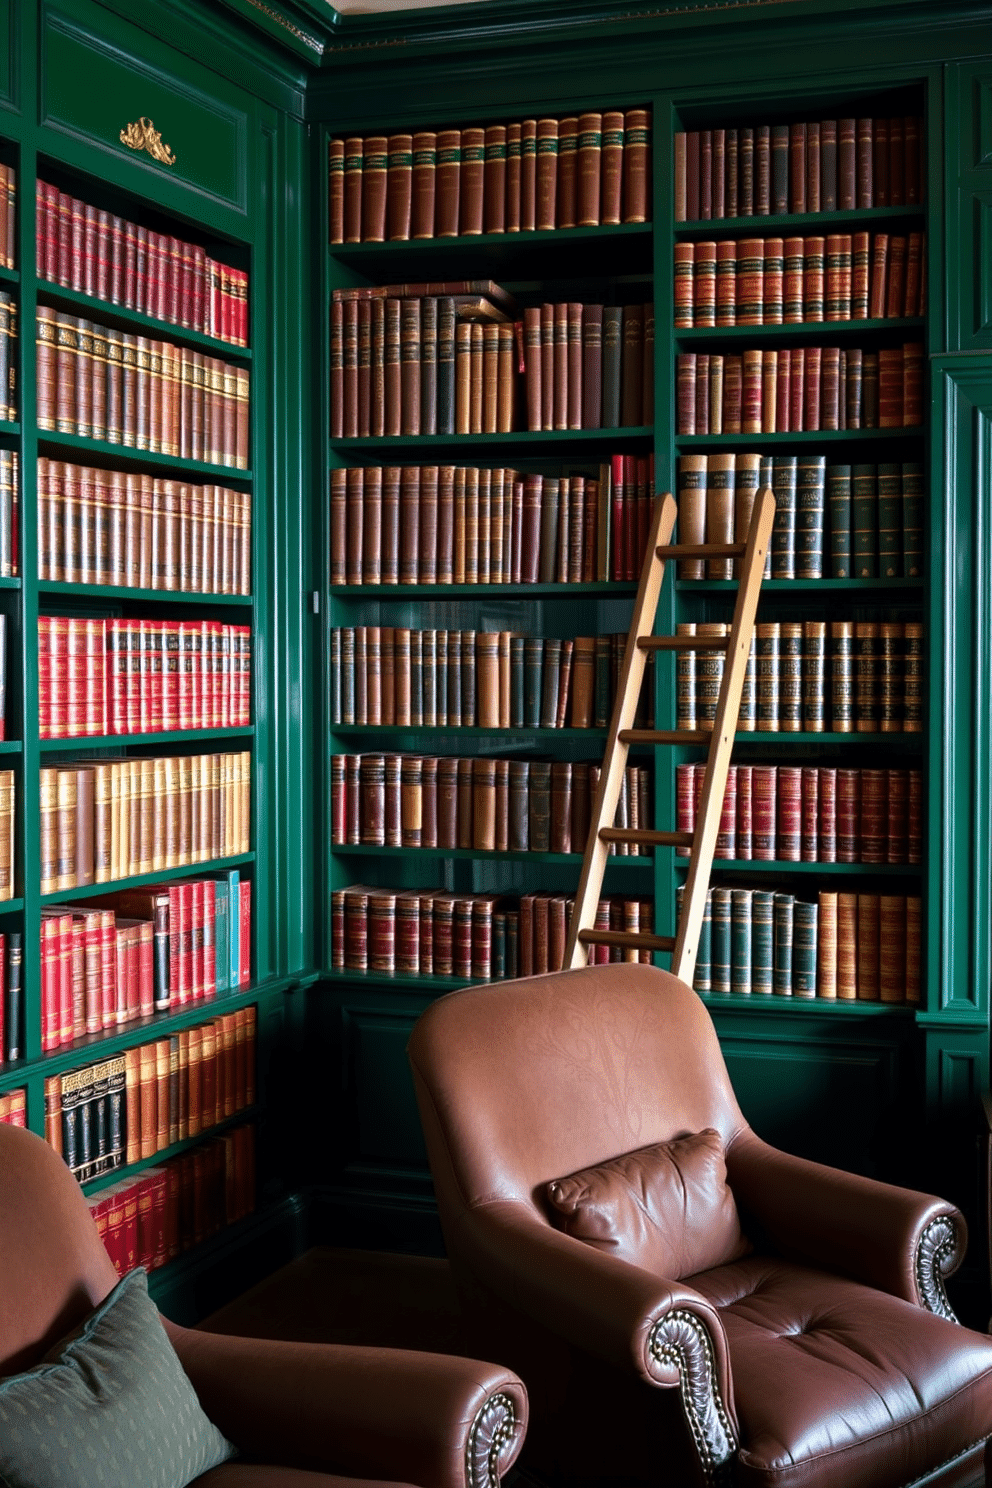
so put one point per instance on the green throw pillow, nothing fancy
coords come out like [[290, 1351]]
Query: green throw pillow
[[110, 1407]]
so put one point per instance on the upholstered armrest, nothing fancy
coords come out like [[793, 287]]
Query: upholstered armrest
[[429, 1419], [891, 1238], [665, 1331]]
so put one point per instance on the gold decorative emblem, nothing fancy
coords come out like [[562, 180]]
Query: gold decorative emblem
[[144, 136]]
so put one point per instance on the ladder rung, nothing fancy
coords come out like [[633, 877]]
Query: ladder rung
[[665, 736], [702, 550], [646, 836], [684, 643], [635, 940]]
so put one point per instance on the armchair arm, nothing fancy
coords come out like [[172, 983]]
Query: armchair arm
[[430, 1419], [890, 1238], [664, 1331]]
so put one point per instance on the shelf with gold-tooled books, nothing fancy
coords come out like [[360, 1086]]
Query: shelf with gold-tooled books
[[489, 450], [798, 342]]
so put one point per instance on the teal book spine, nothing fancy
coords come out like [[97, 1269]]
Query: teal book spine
[[601, 707], [864, 522], [804, 949], [469, 717], [455, 679], [762, 905], [442, 678], [222, 935], [782, 929], [890, 520], [912, 519], [721, 952], [533, 680], [740, 942], [811, 492], [703, 979], [839, 502], [784, 528], [517, 713], [417, 677], [540, 806], [747, 718]]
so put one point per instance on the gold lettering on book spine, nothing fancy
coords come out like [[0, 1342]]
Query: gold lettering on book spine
[[144, 136]]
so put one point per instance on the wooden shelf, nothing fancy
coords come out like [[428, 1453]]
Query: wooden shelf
[[135, 1169], [828, 1006], [367, 850], [123, 741], [855, 870], [113, 593], [9, 276], [467, 731], [119, 315], [13, 430], [795, 331], [522, 439], [102, 450], [441, 592], [601, 251], [821, 222], [862, 587], [140, 880], [799, 437]]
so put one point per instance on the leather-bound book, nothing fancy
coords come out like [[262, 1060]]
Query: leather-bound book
[[564, 683], [389, 482], [428, 365], [769, 392], [533, 681], [733, 395], [813, 675], [505, 385], [790, 707], [866, 676], [392, 411], [793, 267], [705, 174], [704, 284], [335, 191], [612, 343], [336, 372], [447, 204], [768, 640], [611, 194], [844, 984], [423, 176], [472, 187], [762, 170], [494, 215], [890, 388], [484, 805], [813, 278], [531, 524], [546, 176], [890, 676], [592, 367], [684, 270], [731, 172], [548, 544], [838, 493], [568, 171], [873, 817], [519, 806], [679, 189], [752, 365], [550, 680], [719, 501], [547, 378], [912, 383], [912, 717], [869, 986], [692, 148], [889, 489], [914, 817], [880, 163], [865, 190], [780, 168], [685, 392], [533, 366], [636, 165], [692, 503], [914, 164], [847, 173], [813, 175], [354, 150], [463, 377], [574, 366], [860, 275], [560, 838], [590, 171], [539, 806], [375, 169], [893, 957], [869, 390], [410, 369], [895, 300], [812, 387], [878, 297], [632, 366], [826, 815], [427, 515], [913, 297], [399, 186], [487, 678], [745, 200], [513, 141], [465, 803], [411, 800], [444, 371], [841, 663], [559, 413], [528, 175], [364, 375], [912, 518]]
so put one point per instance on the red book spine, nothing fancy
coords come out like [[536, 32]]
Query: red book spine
[[810, 793], [244, 892], [763, 810], [789, 813], [185, 943], [745, 813], [848, 814], [827, 788], [726, 840]]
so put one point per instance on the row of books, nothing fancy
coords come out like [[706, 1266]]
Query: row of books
[[99, 526], [166, 1210], [468, 678], [852, 947], [96, 382], [14, 1107], [10, 512], [588, 366], [8, 356], [11, 996], [798, 389], [481, 937], [825, 165], [485, 805], [132, 676], [98, 253], [103, 820], [453, 524], [831, 521], [8, 220], [809, 814], [789, 281], [420, 365], [110, 961], [531, 174], [128, 1108], [845, 676]]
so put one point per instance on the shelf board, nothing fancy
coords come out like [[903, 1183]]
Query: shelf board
[[9, 583], [10, 746], [134, 1169], [115, 592], [141, 1030], [441, 592], [782, 736], [795, 331], [9, 276], [103, 310], [140, 880], [524, 255], [826, 221], [9, 428], [11, 906], [122, 741], [831, 1007], [398, 981], [468, 731], [517, 439], [799, 436], [128, 455], [799, 586], [367, 850], [856, 870]]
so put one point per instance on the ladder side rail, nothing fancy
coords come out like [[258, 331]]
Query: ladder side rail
[[615, 753], [722, 741]]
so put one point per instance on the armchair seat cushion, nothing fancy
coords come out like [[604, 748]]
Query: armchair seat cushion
[[839, 1384], [255, 1475]]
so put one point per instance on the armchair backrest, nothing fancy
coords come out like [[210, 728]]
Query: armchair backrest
[[53, 1265], [525, 1081]]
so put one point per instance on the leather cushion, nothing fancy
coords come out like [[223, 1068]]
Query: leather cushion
[[665, 1208], [838, 1384]]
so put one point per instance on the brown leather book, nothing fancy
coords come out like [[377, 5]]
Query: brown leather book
[[375, 169], [424, 174], [636, 164], [632, 366], [465, 803], [354, 149], [448, 183], [868, 969], [505, 382], [865, 191], [372, 800], [895, 300], [392, 370], [335, 190], [409, 525], [494, 214], [484, 804], [399, 187], [490, 378], [476, 379], [559, 412], [546, 175], [720, 503], [533, 366], [427, 539], [912, 383], [847, 170], [472, 188], [349, 362], [561, 808], [410, 318], [528, 175], [463, 377], [364, 374], [354, 525], [66, 782]]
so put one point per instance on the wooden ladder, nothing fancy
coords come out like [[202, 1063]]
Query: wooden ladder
[[702, 841]]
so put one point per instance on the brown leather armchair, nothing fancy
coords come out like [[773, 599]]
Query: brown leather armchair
[[827, 1356], [302, 1415]]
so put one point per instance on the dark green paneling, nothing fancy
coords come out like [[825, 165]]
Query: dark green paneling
[[969, 206], [8, 51], [93, 87]]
